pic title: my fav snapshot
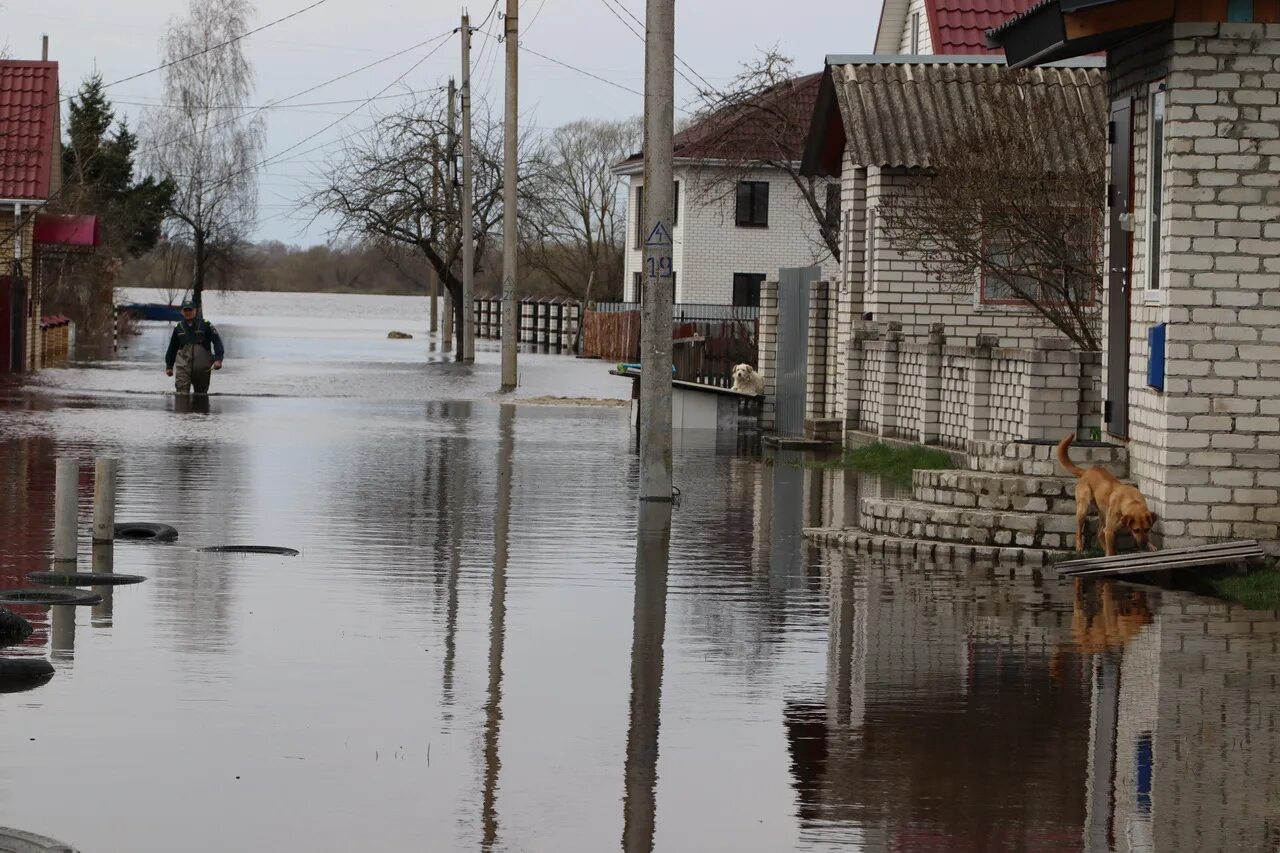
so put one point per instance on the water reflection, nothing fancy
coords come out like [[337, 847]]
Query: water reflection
[[653, 546], [102, 556], [497, 625]]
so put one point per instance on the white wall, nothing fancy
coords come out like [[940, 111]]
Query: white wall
[[925, 45], [709, 247]]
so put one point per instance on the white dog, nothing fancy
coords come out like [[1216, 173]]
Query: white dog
[[746, 380]]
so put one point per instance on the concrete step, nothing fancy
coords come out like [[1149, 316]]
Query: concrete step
[[913, 519], [863, 542], [1039, 460], [988, 490]]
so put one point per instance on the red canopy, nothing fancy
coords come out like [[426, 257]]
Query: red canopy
[[63, 230]]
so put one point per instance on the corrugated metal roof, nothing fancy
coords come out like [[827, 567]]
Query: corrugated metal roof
[[28, 122], [905, 114], [960, 26]]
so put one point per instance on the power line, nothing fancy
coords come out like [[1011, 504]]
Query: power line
[[580, 71], [609, 4]]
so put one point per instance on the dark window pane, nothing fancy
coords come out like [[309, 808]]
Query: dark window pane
[[746, 289], [743, 214], [760, 205]]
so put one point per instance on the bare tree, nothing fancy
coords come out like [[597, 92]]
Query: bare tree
[[381, 188], [202, 138], [760, 120], [1007, 202], [573, 210]]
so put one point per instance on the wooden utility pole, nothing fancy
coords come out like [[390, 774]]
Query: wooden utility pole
[[655, 328], [450, 189], [510, 179], [467, 330]]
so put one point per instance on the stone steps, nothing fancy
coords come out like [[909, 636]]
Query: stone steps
[[863, 542], [1039, 460], [913, 519], [987, 490]]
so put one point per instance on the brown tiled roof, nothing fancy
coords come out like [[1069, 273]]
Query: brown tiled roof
[[28, 127], [773, 128]]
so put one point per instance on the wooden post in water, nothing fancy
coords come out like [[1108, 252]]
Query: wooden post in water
[[104, 500], [66, 483]]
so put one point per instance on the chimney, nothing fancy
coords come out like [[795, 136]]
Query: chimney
[[44, 48]]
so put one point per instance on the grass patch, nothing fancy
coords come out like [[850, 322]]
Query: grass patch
[[892, 463], [1258, 590]]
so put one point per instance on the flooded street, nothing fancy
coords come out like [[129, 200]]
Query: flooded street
[[475, 650]]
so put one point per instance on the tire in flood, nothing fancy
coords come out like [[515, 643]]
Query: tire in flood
[[17, 675], [48, 595], [13, 628], [29, 842], [83, 578], [145, 531], [251, 549]]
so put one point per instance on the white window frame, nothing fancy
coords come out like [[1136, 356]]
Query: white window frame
[[1153, 220]]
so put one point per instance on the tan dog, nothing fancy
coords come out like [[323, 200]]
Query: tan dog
[[1119, 504], [746, 380]]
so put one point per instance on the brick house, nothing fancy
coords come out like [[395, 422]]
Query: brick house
[[735, 224], [30, 175], [1192, 355]]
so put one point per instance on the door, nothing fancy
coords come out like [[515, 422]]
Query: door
[[6, 323], [1119, 267]]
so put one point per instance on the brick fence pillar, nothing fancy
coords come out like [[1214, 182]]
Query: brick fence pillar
[[768, 352], [931, 416], [815, 382], [979, 391], [889, 385]]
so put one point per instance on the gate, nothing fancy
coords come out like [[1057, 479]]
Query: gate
[[793, 348]]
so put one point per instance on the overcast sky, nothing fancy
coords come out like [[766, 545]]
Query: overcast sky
[[712, 36]]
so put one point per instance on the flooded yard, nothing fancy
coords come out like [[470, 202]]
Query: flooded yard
[[475, 650]]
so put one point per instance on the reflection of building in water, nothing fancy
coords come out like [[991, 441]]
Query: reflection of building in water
[[26, 518], [946, 723], [1185, 750]]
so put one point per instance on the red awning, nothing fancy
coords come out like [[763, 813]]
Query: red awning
[[61, 230]]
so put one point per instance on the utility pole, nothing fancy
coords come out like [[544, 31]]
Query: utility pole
[[510, 179], [433, 277], [468, 242], [451, 184], [655, 328]]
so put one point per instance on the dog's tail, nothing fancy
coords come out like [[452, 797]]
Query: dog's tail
[[1064, 460]]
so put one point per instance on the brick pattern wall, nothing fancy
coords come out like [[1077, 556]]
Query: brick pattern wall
[[871, 393], [1008, 397], [822, 339], [708, 245], [898, 288], [1206, 451], [768, 352], [954, 418], [911, 390]]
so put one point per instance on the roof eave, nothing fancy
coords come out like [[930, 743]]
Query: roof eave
[[1040, 35]]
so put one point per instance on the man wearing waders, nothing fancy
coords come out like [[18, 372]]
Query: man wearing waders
[[190, 357]]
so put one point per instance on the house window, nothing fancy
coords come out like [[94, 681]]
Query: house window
[[915, 33], [1028, 275], [642, 216], [746, 289], [833, 206], [753, 204], [996, 291], [1155, 187]]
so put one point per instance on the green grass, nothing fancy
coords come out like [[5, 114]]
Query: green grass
[[1258, 590], [892, 463]]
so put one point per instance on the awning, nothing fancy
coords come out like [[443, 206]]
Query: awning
[[1061, 29], [53, 229]]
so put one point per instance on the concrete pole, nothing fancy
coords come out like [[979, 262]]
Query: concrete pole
[[510, 177], [468, 238], [655, 330], [104, 500], [65, 487], [433, 277], [451, 183]]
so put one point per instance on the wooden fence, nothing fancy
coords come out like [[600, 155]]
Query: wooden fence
[[705, 349], [611, 335]]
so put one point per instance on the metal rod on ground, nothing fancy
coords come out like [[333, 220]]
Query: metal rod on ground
[[468, 243], [658, 194], [104, 500], [65, 486], [509, 181], [451, 188]]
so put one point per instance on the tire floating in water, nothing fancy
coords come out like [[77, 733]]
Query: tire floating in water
[[13, 628], [250, 549], [145, 531], [83, 578], [17, 675], [29, 842], [48, 595]]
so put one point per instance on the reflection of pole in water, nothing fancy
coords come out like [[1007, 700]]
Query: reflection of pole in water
[[1100, 787], [456, 515], [653, 543], [104, 564], [62, 631], [497, 626]]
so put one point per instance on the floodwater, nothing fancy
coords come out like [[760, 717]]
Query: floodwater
[[475, 648]]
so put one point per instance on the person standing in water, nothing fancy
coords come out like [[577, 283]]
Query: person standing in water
[[195, 348]]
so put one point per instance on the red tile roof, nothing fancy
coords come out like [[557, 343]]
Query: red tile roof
[[773, 129], [959, 26], [28, 124]]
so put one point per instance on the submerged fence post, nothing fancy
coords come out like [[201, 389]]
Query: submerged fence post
[[66, 483], [104, 500]]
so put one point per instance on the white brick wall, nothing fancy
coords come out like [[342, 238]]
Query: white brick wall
[[709, 247], [1206, 451]]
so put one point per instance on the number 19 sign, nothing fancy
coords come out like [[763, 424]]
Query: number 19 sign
[[658, 262]]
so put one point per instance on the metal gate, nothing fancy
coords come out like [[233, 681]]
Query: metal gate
[[793, 348]]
